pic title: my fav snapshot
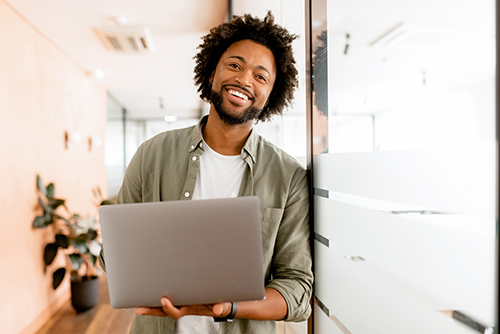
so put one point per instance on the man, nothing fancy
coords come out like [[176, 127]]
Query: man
[[246, 70]]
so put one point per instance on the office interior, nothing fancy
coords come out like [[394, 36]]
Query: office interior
[[395, 118]]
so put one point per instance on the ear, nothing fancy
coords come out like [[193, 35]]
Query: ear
[[211, 78]]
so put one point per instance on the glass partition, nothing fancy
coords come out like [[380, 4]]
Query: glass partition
[[404, 166]]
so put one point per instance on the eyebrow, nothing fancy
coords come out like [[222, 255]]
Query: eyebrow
[[243, 60]]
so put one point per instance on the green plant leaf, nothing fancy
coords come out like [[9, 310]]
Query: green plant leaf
[[62, 240], [50, 253], [50, 191], [40, 222], [92, 234], [43, 205], [48, 219], [55, 203], [80, 245], [76, 260], [57, 277], [83, 237], [40, 185], [107, 202]]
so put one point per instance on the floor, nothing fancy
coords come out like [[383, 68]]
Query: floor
[[102, 319]]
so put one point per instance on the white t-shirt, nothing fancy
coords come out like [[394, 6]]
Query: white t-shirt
[[219, 176]]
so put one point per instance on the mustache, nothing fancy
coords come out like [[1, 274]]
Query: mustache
[[240, 88]]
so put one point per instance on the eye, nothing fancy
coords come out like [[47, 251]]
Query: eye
[[233, 65], [261, 77]]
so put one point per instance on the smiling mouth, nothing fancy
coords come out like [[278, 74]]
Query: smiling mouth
[[238, 94]]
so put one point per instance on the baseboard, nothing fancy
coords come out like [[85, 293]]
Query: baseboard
[[48, 313]]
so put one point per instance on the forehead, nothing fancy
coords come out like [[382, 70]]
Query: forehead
[[253, 53]]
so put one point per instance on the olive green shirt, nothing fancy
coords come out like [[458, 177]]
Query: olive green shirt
[[165, 168]]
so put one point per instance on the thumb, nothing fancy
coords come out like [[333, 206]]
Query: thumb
[[218, 309]]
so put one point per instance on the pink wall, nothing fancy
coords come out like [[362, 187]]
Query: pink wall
[[42, 95]]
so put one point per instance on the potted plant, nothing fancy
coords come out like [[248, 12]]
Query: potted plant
[[77, 238]]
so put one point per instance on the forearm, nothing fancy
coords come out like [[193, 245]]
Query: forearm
[[273, 307]]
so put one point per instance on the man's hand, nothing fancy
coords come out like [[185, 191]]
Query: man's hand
[[169, 310]]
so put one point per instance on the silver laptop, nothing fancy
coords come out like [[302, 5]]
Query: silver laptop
[[193, 252]]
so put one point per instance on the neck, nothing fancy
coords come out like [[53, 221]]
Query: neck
[[225, 139]]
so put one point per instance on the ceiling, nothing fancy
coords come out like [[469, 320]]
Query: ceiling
[[147, 85], [371, 77]]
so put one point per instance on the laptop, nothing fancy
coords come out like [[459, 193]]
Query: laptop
[[193, 252]]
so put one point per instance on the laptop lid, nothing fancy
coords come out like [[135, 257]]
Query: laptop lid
[[193, 252]]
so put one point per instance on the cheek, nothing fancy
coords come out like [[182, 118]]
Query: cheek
[[266, 94]]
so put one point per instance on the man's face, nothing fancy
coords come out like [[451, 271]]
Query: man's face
[[242, 82]]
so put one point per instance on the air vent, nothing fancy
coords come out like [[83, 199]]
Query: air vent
[[132, 39]]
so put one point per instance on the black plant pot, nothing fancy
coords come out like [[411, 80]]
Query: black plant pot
[[84, 294]]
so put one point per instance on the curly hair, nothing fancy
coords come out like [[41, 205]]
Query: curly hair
[[262, 31]]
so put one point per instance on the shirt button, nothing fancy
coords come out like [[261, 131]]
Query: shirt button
[[192, 147], [186, 194], [194, 158]]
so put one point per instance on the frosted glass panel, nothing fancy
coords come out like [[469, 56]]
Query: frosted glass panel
[[452, 250], [323, 324], [446, 180], [367, 303]]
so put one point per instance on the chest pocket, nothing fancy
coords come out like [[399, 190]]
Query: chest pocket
[[270, 223]]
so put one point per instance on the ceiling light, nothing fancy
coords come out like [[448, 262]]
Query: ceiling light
[[170, 118], [121, 20], [99, 74]]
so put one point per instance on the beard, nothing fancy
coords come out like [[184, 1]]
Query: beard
[[248, 114]]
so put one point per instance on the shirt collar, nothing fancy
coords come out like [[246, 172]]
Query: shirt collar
[[249, 149], [197, 135]]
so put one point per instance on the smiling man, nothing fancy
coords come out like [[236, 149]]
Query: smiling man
[[243, 64], [246, 70]]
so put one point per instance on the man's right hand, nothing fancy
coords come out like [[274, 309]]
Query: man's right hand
[[169, 310]]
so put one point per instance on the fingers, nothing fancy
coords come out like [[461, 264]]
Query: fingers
[[156, 311], [171, 310], [167, 310]]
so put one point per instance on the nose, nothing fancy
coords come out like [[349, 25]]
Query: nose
[[244, 78]]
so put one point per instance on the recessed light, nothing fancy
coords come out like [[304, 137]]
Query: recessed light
[[99, 74], [170, 118]]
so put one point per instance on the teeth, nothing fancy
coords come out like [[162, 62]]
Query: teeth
[[238, 94]]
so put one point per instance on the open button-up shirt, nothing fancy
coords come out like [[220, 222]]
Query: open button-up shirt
[[165, 168]]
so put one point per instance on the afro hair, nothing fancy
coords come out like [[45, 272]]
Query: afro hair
[[262, 31]]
